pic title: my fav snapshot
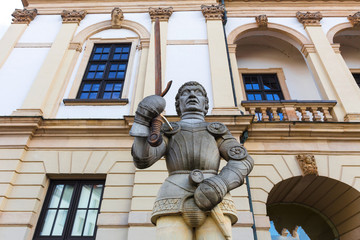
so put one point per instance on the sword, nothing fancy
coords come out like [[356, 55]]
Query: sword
[[155, 138], [196, 177]]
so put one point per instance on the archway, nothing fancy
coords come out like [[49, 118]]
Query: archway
[[323, 207]]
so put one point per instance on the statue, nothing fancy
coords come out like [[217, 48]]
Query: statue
[[194, 200]]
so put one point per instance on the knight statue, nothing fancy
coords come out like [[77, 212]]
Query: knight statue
[[194, 200]]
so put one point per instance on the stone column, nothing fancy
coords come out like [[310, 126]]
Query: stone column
[[52, 72], [163, 14], [220, 74], [21, 20], [327, 65]]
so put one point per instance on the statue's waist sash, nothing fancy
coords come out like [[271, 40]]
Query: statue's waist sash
[[176, 189]]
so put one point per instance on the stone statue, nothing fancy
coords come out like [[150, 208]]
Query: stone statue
[[194, 201]]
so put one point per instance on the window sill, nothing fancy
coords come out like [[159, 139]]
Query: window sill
[[95, 102]]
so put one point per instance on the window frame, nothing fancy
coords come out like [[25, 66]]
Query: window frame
[[279, 73], [89, 46], [73, 206]]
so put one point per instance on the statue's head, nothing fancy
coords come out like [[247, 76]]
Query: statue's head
[[191, 97]]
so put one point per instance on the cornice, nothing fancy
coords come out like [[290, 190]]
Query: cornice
[[162, 13], [309, 18], [213, 12], [73, 16], [23, 16], [355, 19]]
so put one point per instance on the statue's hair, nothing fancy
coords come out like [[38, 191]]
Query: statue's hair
[[191, 83]]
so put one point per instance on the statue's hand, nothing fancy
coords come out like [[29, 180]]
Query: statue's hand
[[149, 108], [210, 192]]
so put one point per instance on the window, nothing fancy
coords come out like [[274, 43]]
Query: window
[[105, 72], [70, 210], [259, 87], [357, 78]]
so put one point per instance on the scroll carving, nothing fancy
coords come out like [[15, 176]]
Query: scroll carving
[[262, 21], [162, 13], [307, 164], [309, 19], [213, 12], [73, 16], [117, 17], [23, 16], [355, 19]]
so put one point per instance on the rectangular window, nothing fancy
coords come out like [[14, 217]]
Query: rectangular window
[[70, 211], [105, 73], [262, 87], [357, 78]]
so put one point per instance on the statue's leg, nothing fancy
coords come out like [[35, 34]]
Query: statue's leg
[[174, 228], [210, 230]]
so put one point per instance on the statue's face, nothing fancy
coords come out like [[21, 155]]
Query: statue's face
[[192, 99]]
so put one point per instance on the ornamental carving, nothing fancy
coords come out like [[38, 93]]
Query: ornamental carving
[[262, 21], [307, 164], [162, 13], [355, 19], [213, 12], [117, 17], [73, 16], [309, 19], [23, 16]]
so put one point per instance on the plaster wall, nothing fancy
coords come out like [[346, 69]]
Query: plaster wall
[[187, 26], [43, 29], [351, 56], [115, 33], [255, 55], [328, 23], [29, 60], [187, 63]]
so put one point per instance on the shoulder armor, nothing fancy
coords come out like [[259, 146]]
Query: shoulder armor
[[167, 131], [217, 129]]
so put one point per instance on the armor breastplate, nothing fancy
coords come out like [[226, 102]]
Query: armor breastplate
[[192, 147]]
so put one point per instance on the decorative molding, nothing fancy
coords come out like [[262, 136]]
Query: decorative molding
[[309, 19], [307, 164], [232, 48], [162, 13], [117, 17], [33, 45], [188, 42], [355, 19], [73, 16], [75, 46], [308, 48], [213, 12], [23, 16], [262, 21]]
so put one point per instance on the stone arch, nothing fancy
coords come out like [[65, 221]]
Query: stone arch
[[334, 205], [139, 29], [291, 34], [336, 29]]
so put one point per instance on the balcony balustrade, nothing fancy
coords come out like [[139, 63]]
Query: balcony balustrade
[[291, 110]]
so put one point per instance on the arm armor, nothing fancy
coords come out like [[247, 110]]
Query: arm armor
[[239, 163], [144, 155]]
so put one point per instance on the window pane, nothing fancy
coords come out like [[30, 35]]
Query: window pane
[[109, 87], [276, 97], [59, 223], [92, 95], [251, 97], [104, 56], [90, 223], [90, 75], [124, 56], [78, 223], [113, 67], [65, 201], [248, 86], [116, 95], [120, 75], [55, 198], [87, 87], [93, 67], [269, 97], [95, 87], [98, 50], [116, 56], [255, 86], [96, 57], [112, 74], [106, 50], [117, 87], [126, 49], [258, 97], [48, 223], [107, 95], [101, 67], [84, 95], [118, 50], [84, 197], [99, 75], [122, 67]]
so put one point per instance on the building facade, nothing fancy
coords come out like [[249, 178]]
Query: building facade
[[283, 76]]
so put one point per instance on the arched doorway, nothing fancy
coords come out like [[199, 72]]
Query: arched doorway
[[326, 209]]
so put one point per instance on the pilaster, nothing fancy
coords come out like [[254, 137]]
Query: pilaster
[[21, 20], [53, 71], [163, 14], [339, 83], [220, 75]]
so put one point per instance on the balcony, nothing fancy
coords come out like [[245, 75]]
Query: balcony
[[291, 110]]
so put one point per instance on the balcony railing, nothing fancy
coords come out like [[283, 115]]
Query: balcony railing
[[291, 110]]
